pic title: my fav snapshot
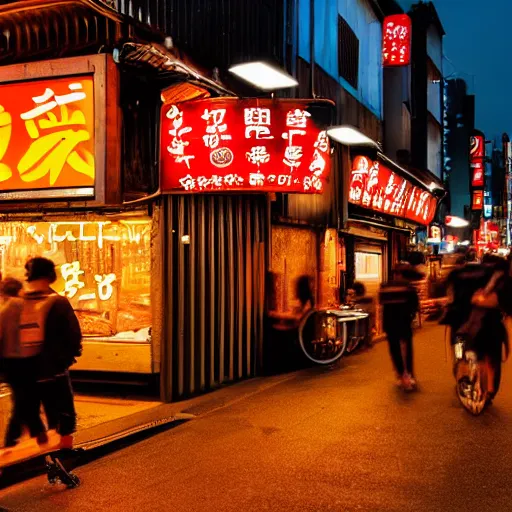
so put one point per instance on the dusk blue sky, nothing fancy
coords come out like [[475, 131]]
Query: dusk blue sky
[[477, 48]]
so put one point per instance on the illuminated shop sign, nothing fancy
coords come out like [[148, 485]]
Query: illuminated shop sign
[[244, 145], [47, 135], [476, 160], [376, 187], [478, 174], [103, 267], [435, 235], [477, 147], [396, 40], [478, 200]]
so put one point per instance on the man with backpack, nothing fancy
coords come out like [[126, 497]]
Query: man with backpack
[[62, 344], [20, 366]]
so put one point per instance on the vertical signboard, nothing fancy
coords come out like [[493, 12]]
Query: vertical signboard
[[477, 165], [396, 40]]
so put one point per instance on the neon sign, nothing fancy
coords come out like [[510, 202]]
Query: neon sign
[[396, 40], [47, 134], [478, 200], [376, 187], [476, 160], [244, 145]]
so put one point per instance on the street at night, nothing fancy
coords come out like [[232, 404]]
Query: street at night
[[343, 438], [221, 222]]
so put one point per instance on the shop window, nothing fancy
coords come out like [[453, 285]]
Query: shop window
[[348, 53], [103, 267], [369, 270]]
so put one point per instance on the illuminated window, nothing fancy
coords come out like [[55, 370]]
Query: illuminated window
[[103, 267], [368, 266]]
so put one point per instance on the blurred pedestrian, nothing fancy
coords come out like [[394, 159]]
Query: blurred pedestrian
[[62, 345], [20, 365], [400, 304]]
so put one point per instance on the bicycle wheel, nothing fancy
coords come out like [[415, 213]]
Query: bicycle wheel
[[322, 338]]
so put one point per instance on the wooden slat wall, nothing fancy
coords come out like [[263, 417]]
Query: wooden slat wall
[[213, 297]]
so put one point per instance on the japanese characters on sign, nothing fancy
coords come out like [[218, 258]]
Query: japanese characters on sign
[[376, 187], [244, 145], [476, 161], [47, 134], [396, 40], [478, 174]]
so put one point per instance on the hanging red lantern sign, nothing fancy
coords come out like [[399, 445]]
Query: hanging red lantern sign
[[396, 40], [225, 144]]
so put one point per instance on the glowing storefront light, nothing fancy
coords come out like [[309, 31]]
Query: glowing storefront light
[[103, 267]]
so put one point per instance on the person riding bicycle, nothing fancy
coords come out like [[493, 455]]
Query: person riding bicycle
[[480, 294]]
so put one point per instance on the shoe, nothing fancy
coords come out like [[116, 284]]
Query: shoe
[[408, 383], [66, 442], [42, 438]]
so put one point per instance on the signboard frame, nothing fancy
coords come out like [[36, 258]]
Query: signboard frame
[[107, 130]]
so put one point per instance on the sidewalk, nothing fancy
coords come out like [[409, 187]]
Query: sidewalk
[[341, 438], [104, 421]]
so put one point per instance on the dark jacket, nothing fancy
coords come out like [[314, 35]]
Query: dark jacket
[[400, 303]]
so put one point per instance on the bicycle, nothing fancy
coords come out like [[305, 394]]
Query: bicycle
[[323, 333]]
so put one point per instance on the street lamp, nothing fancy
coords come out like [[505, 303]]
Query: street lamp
[[350, 136], [263, 76]]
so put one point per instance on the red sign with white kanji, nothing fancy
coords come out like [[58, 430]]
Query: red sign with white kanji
[[376, 187], [478, 174], [396, 40], [228, 144]]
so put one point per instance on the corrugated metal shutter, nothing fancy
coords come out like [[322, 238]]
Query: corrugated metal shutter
[[214, 290]]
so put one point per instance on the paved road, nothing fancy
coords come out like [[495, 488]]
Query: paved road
[[342, 439]]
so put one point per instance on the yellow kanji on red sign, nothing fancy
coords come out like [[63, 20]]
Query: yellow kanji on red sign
[[5, 138], [50, 151]]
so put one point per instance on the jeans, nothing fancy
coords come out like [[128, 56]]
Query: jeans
[[57, 397], [21, 376]]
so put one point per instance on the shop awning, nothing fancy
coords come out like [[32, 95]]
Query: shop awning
[[166, 63]]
